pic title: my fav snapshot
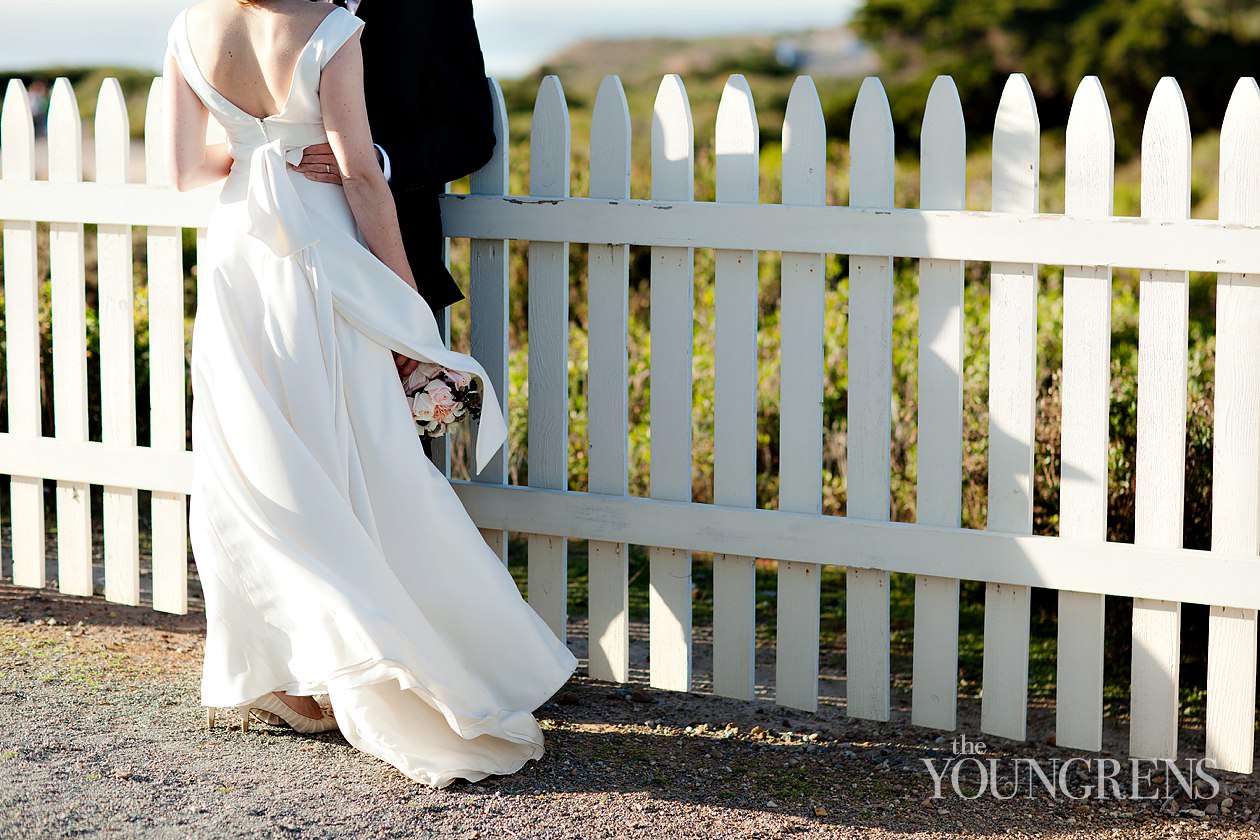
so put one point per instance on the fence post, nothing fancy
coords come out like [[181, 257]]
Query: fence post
[[943, 186], [608, 319], [167, 426], [672, 305], [1161, 426], [1012, 411], [801, 311], [870, 393], [22, 353], [489, 305], [116, 315], [69, 329], [737, 143], [1086, 405], [549, 353], [1231, 674]]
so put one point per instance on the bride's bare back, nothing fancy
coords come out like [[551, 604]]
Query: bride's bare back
[[248, 53]]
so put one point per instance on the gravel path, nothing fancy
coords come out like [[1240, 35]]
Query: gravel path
[[103, 735]]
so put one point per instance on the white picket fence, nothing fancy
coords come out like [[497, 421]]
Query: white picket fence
[[1014, 237]]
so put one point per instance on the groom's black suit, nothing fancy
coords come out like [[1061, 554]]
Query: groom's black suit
[[430, 109]]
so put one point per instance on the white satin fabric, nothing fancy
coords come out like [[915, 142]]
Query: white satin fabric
[[333, 556]]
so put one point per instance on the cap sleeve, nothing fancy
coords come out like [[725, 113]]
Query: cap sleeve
[[336, 31]]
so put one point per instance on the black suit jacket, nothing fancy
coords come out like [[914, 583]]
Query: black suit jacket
[[430, 109]]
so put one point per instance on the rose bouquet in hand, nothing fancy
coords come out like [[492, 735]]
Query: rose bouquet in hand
[[440, 396]]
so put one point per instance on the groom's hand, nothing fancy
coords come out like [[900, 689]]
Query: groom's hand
[[319, 164]]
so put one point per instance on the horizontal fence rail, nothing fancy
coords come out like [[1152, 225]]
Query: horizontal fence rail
[[1088, 240]]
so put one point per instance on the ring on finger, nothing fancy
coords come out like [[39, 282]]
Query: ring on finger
[[327, 169]]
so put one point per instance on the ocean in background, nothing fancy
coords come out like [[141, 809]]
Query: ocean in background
[[516, 35]]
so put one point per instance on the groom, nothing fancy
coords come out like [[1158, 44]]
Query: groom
[[432, 119]]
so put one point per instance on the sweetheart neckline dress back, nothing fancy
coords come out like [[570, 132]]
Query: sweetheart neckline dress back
[[334, 557]]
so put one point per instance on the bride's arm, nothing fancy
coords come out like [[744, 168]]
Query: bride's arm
[[345, 119], [191, 162]]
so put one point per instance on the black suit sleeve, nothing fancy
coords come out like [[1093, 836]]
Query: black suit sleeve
[[451, 132]]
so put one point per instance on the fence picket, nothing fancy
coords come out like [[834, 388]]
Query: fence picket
[[1231, 675], [166, 375], [672, 308], [1012, 409], [1163, 313], [488, 302], [943, 181], [608, 305], [1086, 391], [870, 394], [69, 329], [802, 304], [21, 327], [549, 353], [737, 149], [116, 314]]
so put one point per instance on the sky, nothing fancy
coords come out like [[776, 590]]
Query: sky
[[516, 35]]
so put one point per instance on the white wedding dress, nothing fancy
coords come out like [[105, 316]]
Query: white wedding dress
[[334, 557]]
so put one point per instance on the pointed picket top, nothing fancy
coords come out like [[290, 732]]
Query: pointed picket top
[[17, 134], [871, 148], [1091, 153], [492, 179], [673, 143], [549, 142], [113, 134], [1016, 148], [155, 136], [943, 150], [65, 134], [1240, 156], [1166, 154], [610, 141], [804, 146], [737, 142]]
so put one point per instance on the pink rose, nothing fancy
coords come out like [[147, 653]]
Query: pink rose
[[440, 393], [459, 378], [422, 407]]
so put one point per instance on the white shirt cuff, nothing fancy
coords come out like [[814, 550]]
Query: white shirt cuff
[[384, 162]]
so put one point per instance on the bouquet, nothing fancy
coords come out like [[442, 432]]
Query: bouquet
[[441, 396]]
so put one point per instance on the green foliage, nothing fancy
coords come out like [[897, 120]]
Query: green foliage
[[1129, 45]]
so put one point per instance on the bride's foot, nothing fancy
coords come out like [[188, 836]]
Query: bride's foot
[[305, 706]]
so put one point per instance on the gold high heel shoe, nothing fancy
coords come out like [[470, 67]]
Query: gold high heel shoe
[[271, 709]]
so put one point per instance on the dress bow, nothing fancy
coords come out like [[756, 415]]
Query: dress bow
[[277, 214]]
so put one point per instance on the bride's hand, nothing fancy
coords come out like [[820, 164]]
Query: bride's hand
[[405, 365], [319, 164]]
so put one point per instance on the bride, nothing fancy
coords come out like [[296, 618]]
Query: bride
[[335, 559]]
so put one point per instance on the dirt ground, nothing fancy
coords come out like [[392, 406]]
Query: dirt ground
[[103, 734]]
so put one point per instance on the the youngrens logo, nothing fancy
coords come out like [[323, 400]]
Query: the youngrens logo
[[969, 773]]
